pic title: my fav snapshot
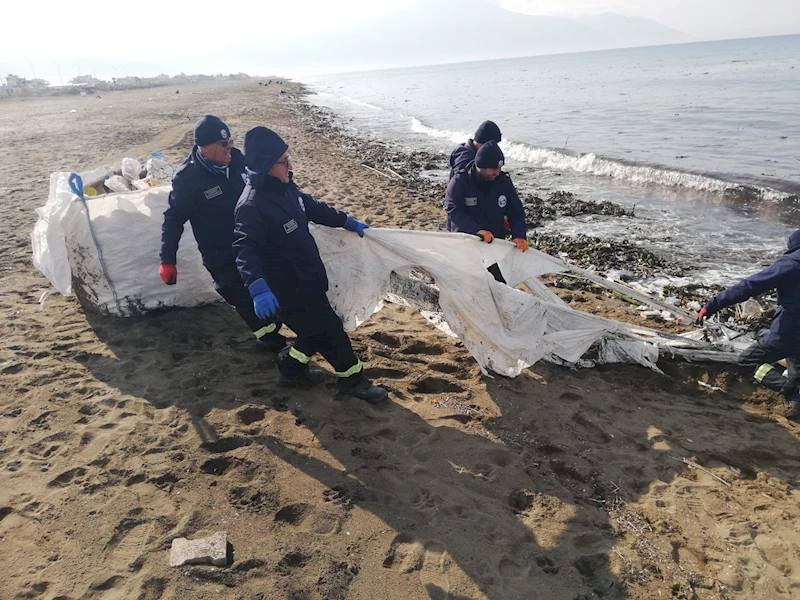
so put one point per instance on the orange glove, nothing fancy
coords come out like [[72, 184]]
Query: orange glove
[[522, 245], [168, 274], [487, 236]]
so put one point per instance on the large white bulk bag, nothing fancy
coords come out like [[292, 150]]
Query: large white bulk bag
[[106, 250]]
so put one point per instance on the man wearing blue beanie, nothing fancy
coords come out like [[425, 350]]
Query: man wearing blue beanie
[[487, 131], [205, 191], [481, 196], [782, 339], [281, 266]]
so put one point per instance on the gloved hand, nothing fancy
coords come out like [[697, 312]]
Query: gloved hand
[[355, 226], [700, 316], [522, 245], [264, 301], [168, 274], [486, 236]]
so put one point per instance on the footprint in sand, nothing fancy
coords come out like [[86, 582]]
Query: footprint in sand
[[405, 555], [434, 572], [127, 543]]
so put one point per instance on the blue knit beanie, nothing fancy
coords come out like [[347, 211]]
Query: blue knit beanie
[[262, 149], [210, 129], [487, 131], [489, 156]]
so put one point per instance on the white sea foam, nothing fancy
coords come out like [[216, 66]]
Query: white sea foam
[[454, 136], [591, 164]]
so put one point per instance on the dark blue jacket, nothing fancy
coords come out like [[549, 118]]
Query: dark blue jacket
[[784, 276], [207, 200], [461, 157], [272, 240], [472, 205]]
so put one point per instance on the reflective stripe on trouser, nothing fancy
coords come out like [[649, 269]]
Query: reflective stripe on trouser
[[762, 371], [299, 356], [318, 329], [356, 368], [265, 331]]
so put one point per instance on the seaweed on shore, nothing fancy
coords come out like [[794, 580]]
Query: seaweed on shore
[[603, 255], [566, 204]]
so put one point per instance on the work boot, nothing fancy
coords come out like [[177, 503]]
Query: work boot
[[363, 389], [272, 342], [793, 412], [304, 378]]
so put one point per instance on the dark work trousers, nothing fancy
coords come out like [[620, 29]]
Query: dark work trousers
[[319, 329], [229, 285], [495, 271], [762, 358]]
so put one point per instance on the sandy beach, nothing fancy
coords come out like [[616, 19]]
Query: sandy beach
[[119, 435]]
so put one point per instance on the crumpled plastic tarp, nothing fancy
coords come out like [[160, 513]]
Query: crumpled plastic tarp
[[112, 256]]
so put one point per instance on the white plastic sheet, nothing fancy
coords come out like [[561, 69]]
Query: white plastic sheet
[[111, 254]]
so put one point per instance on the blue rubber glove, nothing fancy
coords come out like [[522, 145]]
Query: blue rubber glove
[[355, 226], [264, 301]]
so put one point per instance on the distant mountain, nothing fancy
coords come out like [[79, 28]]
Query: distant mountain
[[441, 31], [635, 31]]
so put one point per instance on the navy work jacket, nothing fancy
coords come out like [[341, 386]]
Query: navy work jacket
[[472, 205], [272, 240], [784, 276], [207, 200], [461, 157]]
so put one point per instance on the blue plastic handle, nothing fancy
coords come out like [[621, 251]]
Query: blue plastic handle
[[76, 185]]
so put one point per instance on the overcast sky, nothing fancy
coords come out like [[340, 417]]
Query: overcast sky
[[163, 32], [704, 19]]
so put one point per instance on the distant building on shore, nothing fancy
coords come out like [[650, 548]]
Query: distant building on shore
[[20, 85]]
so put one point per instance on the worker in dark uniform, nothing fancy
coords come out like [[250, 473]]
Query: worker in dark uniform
[[782, 339], [465, 153], [480, 198], [280, 263], [205, 191]]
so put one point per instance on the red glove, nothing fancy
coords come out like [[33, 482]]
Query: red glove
[[168, 274], [700, 316], [486, 236], [522, 245]]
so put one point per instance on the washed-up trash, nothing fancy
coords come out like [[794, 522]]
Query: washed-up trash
[[130, 168], [159, 170], [117, 183]]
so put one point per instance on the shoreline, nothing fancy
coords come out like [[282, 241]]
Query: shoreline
[[624, 260], [119, 435]]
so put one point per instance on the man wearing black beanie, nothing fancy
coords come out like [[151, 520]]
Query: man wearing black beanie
[[481, 196], [205, 191], [487, 131], [281, 266]]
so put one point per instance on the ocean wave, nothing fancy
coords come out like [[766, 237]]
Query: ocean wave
[[592, 164], [347, 99], [360, 103], [454, 136]]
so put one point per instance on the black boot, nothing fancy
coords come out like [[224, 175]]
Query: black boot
[[292, 373], [362, 388], [272, 342]]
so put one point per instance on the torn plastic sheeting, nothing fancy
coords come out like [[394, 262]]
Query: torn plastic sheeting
[[505, 329]]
